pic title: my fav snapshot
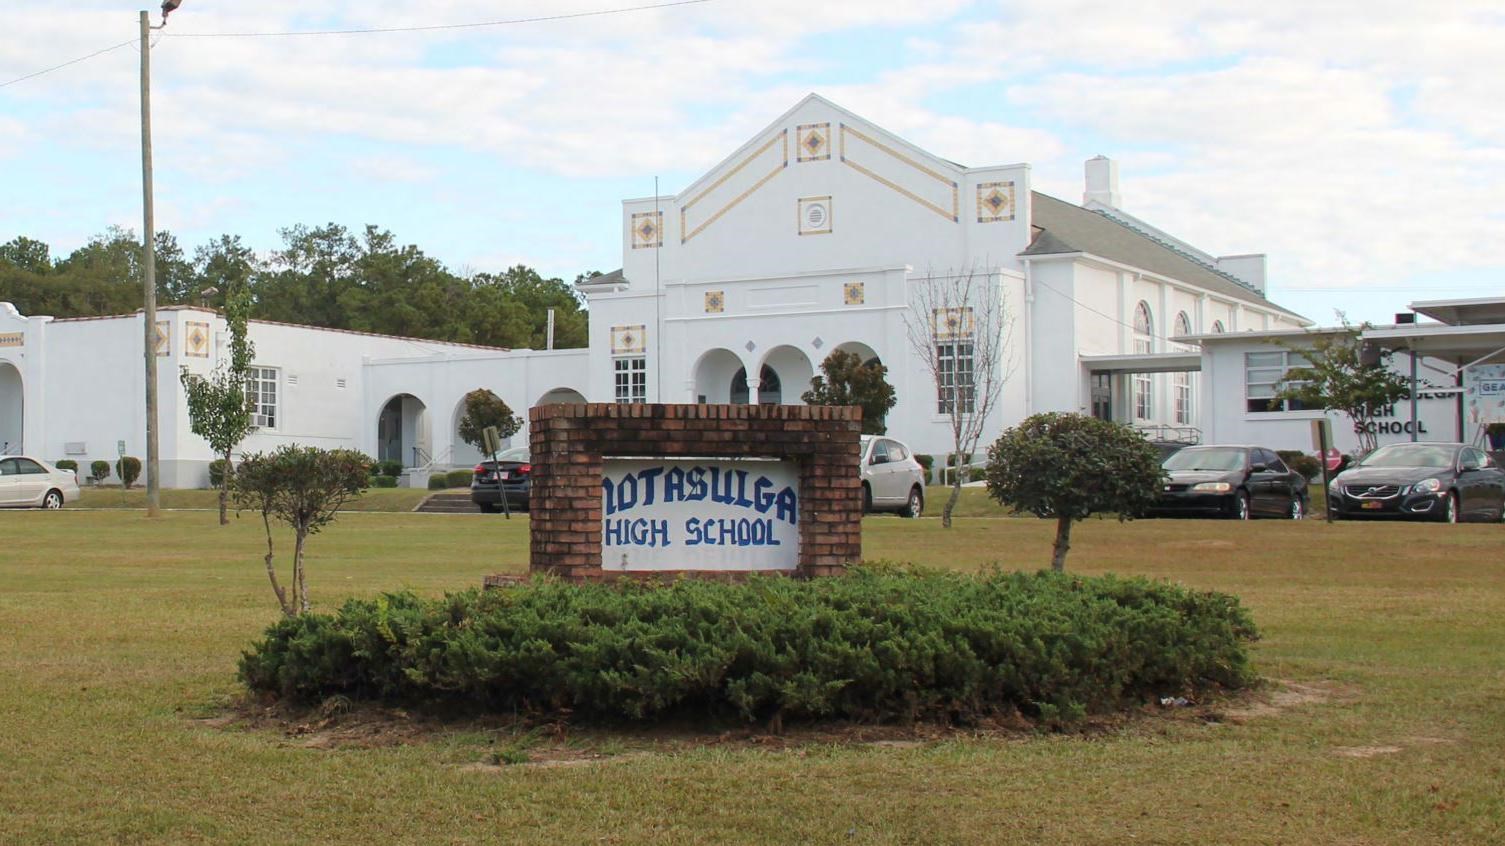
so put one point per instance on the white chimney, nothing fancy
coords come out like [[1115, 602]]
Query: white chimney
[[1102, 182], [1249, 269]]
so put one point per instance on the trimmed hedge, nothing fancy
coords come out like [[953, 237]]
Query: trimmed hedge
[[879, 644], [67, 464], [128, 469], [383, 481], [459, 478], [389, 467], [1307, 465]]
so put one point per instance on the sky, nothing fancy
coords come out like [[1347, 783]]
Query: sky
[[1360, 145]]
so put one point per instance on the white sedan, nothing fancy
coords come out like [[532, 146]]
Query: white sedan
[[31, 483]]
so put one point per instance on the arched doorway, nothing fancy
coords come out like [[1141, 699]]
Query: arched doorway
[[861, 350], [560, 395], [12, 409], [713, 376], [402, 432], [770, 389], [793, 371]]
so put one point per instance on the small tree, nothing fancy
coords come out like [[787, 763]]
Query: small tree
[[1070, 466], [1339, 377], [484, 408], [958, 326], [219, 410], [128, 468], [99, 470], [848, 381], [303, 487]]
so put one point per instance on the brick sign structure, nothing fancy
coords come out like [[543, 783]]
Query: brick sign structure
[[694, 489]]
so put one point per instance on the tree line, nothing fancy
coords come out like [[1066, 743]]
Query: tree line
[[326, 276]]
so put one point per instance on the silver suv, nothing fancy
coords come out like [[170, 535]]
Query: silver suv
[[891, 478]]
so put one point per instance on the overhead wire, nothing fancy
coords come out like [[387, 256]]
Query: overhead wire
[[366, 31], [440, 27], [45, 71]]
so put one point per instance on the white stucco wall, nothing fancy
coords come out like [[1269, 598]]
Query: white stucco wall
[[1228, 420]]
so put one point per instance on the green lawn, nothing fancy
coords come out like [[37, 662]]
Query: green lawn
[[376, 499], [120, 636]]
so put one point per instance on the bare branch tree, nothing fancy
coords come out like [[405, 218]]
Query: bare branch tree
[[959, 327]]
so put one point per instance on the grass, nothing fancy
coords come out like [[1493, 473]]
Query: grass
[[375, 499], [120, 633]]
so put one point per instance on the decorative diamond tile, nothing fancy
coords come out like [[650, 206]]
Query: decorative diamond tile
[[814, 215], [817, 343], [647, 230], [813, 141], [196, 337], [628, 339], [853, 293], [715, 302], [751, 346], [163, 339], [995, 202], [951, 324]]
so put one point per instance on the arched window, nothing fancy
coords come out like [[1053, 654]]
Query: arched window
[[770, 391], [1144, 343], [1217, 327], [1183, 324]]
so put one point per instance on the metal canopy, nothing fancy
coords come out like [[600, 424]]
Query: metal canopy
[[1479, 311], [1176, 362], [1472, 344]]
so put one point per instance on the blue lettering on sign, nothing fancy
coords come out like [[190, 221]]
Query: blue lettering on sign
[[639, 532], [736, 488], [743, 532]]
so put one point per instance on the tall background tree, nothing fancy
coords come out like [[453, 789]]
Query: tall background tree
[[219, 411], [482, 409], [321, 276], [1339, 377], [1068, 467], [958, 326], [846, 380]]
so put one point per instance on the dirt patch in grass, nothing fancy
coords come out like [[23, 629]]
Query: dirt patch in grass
[[507, 740], [1282, 695]]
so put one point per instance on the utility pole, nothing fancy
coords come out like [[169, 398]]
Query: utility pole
[[149, 274]]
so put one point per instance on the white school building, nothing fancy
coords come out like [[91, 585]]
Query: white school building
[[812, 237]]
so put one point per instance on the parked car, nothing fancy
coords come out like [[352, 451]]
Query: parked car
[[892, 480], [1447, 482], [1241, 482], [511, 474], [32, 483]]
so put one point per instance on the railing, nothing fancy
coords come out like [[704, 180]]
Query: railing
[[1167, 434]]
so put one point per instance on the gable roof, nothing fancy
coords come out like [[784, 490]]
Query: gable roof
[[1067, 228]]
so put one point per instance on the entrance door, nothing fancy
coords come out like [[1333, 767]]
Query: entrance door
[[1102, 395]]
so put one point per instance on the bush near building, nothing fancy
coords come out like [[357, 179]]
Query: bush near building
[[67, 464], [99, 471], [128, 468], [879, 644], [1307, 465]]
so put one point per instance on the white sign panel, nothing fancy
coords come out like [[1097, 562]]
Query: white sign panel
[[699, 514]]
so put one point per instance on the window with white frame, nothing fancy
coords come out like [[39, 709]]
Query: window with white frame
[[1183, 397], [261, 394], [1144, 343], [1181, 381], [954, 383], [631, 373], [1265, 375]]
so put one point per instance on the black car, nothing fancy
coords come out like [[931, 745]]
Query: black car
[[511, 474], [1231, 481], [1446, 482]]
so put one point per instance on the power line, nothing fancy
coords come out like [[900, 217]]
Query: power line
[[369, 31], [67, 63], [439, 27]]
